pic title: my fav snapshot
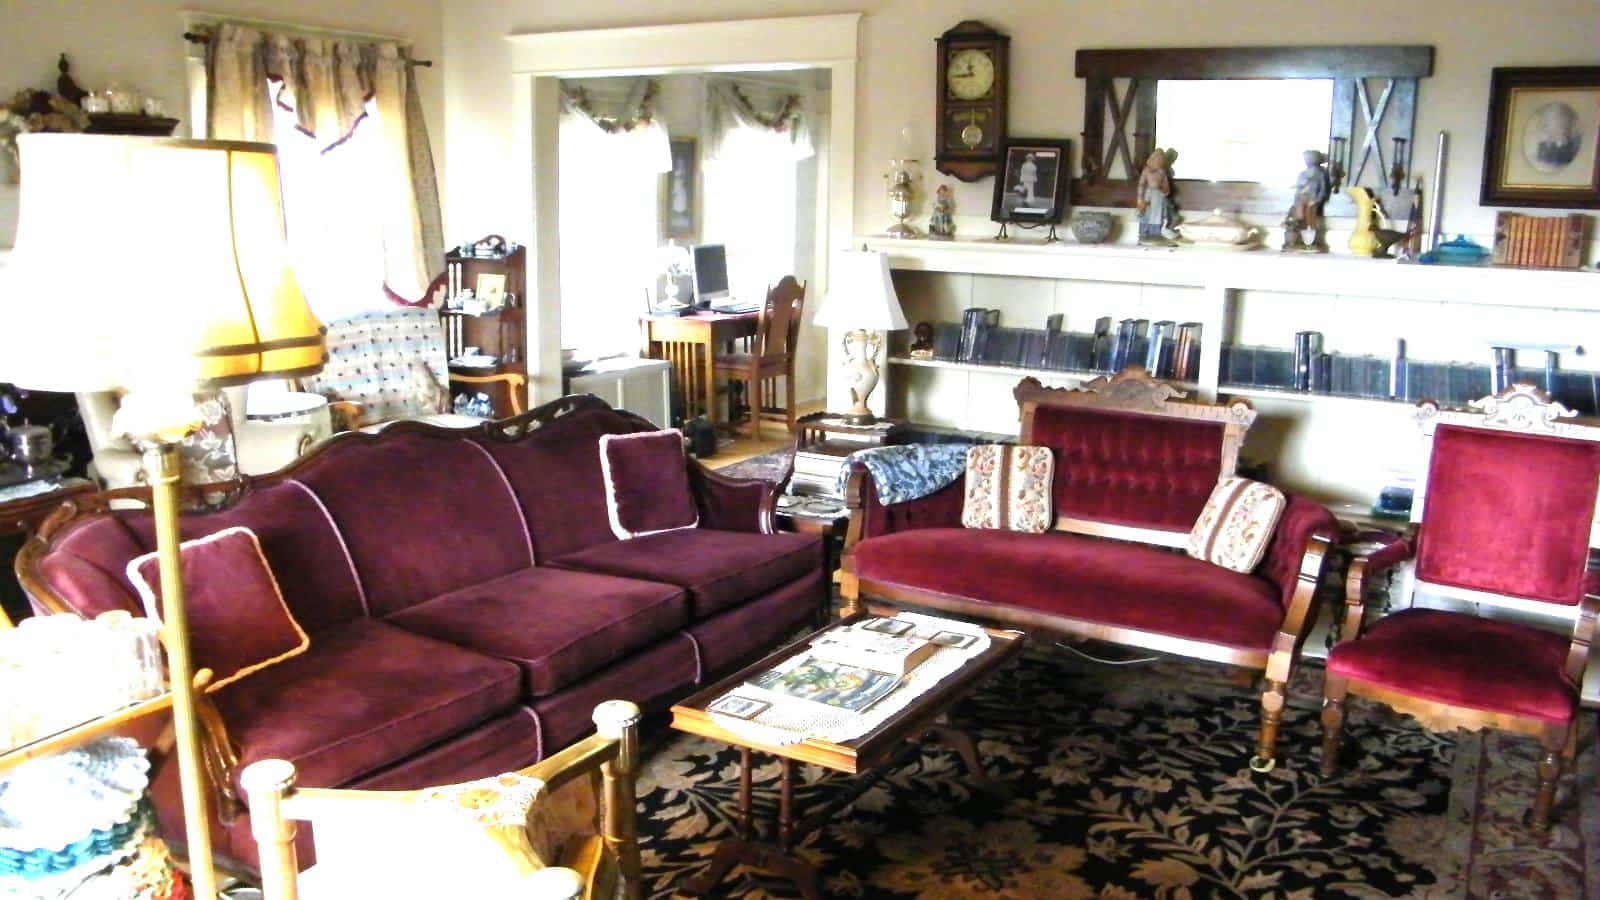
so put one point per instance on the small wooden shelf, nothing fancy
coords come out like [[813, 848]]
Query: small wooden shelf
[[1076, 375], [89, 730]]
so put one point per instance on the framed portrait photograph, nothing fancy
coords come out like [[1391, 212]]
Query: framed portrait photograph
[[1031, 186], [678, 197], [1544, 125], [738, 707]]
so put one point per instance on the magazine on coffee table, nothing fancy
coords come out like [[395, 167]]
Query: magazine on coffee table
[[835, 684]]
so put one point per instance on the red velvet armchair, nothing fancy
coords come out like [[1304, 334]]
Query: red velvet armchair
[[1506, 521]]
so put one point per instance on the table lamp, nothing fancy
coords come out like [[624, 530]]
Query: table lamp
[[158, 267], [861, 300]]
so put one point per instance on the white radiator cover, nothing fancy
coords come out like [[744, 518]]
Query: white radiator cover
[[637, 385]]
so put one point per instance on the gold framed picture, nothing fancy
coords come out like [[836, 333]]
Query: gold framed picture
[[491, 289], [1544, 127]]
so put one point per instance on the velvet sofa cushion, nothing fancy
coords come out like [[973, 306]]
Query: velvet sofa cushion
[[1128, 468], [1463, 660], [301, 543], [1236, 524], [556, 625], [647, 483], [719, 568], [1091, 579], [422, 514], [87, 566], [555, 472], [364, 696], [238, 621], [1508, 513]]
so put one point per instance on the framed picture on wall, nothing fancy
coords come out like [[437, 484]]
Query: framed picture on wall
[[1544, 125], [1031, 186], [678, 197]]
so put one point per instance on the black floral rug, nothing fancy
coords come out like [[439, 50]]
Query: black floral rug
[[1132, 783]]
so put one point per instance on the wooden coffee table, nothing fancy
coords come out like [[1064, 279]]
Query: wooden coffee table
[[871, 756]]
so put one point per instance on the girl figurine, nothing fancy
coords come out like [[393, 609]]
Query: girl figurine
[[1155, 199], [942, 223]]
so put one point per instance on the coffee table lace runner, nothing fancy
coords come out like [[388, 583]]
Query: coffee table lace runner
[[789, 720]]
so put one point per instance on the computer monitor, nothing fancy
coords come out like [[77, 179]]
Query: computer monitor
[[710, 263]]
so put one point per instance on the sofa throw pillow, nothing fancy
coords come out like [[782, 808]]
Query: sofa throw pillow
[[1009, 487], [1236, 524], [238, 622], [647, 483]]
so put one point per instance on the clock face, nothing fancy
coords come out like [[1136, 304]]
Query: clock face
[[969, 74]]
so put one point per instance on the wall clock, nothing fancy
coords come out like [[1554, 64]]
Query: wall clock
[[971, 104]]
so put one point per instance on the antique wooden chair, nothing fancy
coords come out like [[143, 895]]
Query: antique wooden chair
[[1505, 523], [520, 834], [771, 356]]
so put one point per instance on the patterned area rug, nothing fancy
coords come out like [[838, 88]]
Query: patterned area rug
[[767, 467], [1131, 783]]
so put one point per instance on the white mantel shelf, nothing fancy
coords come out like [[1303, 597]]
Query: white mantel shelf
[[1261, 270]]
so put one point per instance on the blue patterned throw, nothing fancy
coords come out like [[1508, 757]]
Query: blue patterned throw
[[907, 471]]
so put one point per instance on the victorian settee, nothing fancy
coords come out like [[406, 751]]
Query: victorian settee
[[466, 602], [1134, 467]]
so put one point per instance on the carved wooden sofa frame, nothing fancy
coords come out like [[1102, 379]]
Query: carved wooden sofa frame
[[1131, 390]]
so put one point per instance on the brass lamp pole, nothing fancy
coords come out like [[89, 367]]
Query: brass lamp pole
[[230, 312]]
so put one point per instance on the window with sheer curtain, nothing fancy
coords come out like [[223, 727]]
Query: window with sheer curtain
[[608, 184], [333, 208], [750, 196]]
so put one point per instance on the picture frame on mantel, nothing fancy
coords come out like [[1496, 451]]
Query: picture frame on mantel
[[1030, 187], [1544, 127]]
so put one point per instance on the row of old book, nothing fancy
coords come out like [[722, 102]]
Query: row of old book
[[1552, 242], [1166, 349]]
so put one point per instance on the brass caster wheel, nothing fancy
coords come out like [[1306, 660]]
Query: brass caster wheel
[[1257, 764]]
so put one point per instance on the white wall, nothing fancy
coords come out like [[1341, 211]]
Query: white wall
[[139, 45], [896, 76]]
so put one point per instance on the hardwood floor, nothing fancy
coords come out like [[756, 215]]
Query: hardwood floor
[[773, 437]]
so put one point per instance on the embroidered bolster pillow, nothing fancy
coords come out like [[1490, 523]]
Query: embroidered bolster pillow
[[647, 483], [238, 622], [1009, 487], [1236, 524]]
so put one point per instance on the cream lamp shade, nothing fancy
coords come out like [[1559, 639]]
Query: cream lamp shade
[[149, 262], [861, 294]]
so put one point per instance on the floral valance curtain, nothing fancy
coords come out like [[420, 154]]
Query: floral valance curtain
[[731, 105], [327, 83], [622, 109]]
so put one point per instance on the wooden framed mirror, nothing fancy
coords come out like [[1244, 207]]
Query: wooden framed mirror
[[1247, 114]]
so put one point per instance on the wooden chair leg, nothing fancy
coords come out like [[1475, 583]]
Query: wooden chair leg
[[788, 389], [1553, 742], [1334, 690], [755, 404], [1272, 702]]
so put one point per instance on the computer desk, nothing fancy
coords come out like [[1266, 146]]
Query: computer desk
[[689, 344]]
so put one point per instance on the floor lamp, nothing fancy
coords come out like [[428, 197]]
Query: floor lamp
[[156, 267]]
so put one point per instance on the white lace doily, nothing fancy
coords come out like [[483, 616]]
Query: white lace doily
[[789, 720]]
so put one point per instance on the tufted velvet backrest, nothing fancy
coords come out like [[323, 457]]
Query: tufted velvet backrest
[[1129, 468], [1509, 513]]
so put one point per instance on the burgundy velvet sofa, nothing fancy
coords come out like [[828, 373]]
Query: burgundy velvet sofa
[[1134, 468], [466, 601]]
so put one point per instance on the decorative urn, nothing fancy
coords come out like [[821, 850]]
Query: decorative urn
[[1221, 231]]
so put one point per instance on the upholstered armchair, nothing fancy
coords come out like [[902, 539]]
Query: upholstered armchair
[[1505, 524], [390, 365], [226, 446], [529, 834]]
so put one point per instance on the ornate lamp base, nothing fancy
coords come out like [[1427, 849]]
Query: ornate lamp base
[[861, 361]]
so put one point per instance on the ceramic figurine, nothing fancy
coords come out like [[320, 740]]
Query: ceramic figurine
[[942, 223], [1368, 239], [922, 346], [1156, 209], [1311, 191]]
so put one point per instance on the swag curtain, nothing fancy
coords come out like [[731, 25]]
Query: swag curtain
[[732, 107], [331, 87]]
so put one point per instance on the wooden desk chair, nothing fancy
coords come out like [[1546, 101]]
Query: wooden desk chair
[[524, 834], [1505, 523], [771, 356]]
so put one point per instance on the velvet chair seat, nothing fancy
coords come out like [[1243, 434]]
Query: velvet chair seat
[[558, 626], [357, 700], [1463, 661], [720, 569], [1086, 578]]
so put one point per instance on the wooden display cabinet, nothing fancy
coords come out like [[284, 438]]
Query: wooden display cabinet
[[500, 332]]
